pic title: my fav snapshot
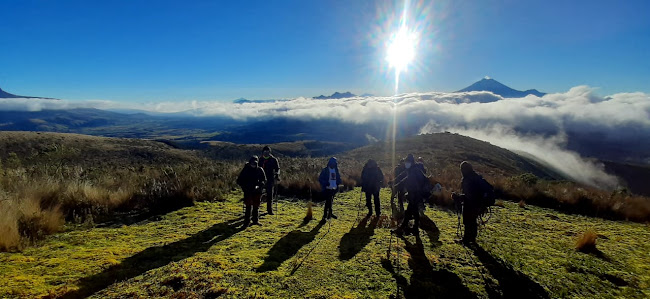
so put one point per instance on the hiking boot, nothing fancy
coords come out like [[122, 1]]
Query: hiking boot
[[270, 213], [257, 223], [333, 216]]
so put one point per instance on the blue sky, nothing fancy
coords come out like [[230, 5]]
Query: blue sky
[[221, 50]]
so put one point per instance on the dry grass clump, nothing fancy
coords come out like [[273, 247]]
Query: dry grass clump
[[310, 212], [574, 198], [9, 234], [586, 242], [37, 200], [25, 220]]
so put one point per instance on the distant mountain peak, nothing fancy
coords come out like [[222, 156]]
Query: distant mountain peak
[[336, 95], [496, 87], [6, 95]]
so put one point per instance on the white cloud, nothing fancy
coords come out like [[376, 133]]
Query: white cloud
[[531, 124]]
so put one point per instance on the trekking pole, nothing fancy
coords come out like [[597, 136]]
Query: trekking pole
[[399, 263]]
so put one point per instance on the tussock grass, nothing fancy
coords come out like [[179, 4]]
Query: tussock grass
[[40, 204], [310, 213], [573, 198], [586, 242], [50, 181]]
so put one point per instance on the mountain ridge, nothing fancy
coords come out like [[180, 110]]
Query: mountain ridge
[[498, 88], [6, 95]]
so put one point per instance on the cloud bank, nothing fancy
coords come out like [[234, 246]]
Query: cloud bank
[[542, 127]]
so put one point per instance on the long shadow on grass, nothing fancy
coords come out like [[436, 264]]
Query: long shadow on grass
[[287, 247], [513, 284], [432, 231], [156, 257], [357, 238], [427, 282]]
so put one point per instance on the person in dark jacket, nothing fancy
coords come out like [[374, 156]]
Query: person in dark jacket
[[329, 180], [471, 200], [414, 181], [371, 181], [400, 192], [252, 181], [271, 167]]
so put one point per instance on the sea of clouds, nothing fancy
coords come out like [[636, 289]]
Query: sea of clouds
[[532, 125]]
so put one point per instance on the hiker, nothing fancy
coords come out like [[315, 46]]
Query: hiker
[[329, 180], [252, 181], [476, 195], [399, 192], [272, 169], [371, 181], [414, 181]]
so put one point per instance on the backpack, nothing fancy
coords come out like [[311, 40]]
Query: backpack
[[489, 196]]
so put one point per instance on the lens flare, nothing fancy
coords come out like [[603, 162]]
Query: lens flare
[[401, 48]]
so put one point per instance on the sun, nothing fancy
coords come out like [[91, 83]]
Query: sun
[[401, 49]]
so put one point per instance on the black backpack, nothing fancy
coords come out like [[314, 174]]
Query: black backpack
[[489, 196]]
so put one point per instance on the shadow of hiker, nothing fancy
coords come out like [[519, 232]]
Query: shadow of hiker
[[512, 284], [592, 250], [357, 238], [156, 257], [130, 215], [431, 230], [305, 221], [287, 247], [427, 282]]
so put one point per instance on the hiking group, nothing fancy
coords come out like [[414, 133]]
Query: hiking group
[[257, 179], [259, 176]]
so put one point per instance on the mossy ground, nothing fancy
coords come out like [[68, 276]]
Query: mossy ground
[[202, 251]]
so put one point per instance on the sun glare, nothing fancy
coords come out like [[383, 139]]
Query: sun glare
[[401, 49]]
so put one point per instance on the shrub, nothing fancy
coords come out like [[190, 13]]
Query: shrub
[[586, 242]]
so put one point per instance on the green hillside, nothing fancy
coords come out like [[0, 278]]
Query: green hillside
[[443, 150], [201, 252]]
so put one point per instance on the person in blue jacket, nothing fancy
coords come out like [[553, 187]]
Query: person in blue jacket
[[329, 180]]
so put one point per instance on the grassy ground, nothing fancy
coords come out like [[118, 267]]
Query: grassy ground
[[202, 251]]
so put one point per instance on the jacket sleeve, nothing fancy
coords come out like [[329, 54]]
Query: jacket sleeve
[[364, 179], [338, 177], [240, 178], [381, 177], [261, 177]]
